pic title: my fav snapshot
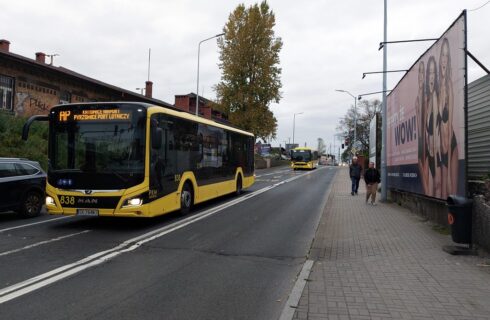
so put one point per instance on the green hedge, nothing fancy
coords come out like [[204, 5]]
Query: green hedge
[[12, 145]]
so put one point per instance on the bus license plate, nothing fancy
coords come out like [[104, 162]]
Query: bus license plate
[[88, 212]]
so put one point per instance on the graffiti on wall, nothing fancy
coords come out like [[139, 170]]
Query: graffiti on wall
[[30, 102], [19, 106], [38, 105]]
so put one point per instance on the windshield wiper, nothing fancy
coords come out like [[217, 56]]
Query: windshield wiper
[[116, 174]]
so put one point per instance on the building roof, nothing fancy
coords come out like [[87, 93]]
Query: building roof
[[77, 76], [193, 95]]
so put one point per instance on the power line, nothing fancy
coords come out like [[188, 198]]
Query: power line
[[480, 6]]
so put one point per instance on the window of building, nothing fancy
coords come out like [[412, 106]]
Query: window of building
[[65, 97], [6, 92]]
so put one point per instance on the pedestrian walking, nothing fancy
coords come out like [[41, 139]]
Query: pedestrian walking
[[372, 178], [355, 175]]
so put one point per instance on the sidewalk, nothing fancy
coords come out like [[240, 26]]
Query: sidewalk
[[383, 262]]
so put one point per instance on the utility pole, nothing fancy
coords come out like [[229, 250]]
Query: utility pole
[[294, 124], [384, 175]]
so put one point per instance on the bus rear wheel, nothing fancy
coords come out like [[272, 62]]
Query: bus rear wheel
[[186, 199], [239, 186]]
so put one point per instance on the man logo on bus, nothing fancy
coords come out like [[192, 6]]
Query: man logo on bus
[[64, 115]]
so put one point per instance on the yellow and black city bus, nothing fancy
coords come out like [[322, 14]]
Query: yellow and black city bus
[[139, 160], [302, 158]]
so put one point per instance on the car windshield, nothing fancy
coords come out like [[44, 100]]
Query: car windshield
[[98, 154], [301, 155]]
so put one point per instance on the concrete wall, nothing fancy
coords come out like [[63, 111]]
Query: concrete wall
[[429, 208], [436, 211]]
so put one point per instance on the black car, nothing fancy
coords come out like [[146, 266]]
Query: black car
[[22, 185]]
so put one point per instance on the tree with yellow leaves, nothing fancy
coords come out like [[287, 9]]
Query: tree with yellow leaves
[[249, 61]]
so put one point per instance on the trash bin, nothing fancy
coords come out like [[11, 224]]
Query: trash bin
[[459, 217]]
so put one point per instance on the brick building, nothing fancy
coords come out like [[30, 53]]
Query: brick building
[[187, 102], [32, 86]]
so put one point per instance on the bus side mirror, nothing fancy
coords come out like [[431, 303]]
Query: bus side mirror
[[156, 137], [27, 125]]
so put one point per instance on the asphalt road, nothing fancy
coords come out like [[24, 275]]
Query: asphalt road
[[232, 258]]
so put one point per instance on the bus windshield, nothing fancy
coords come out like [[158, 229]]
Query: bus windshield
[[301, 155], [97, 147]]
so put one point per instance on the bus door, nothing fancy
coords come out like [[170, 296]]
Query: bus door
[[163, 174]]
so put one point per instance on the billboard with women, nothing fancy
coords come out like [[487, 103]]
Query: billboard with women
[[426, 120]]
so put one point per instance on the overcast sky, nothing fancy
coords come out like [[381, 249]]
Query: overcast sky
[[327, 46]]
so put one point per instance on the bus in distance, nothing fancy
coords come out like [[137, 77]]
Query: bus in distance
[[302, 158], [139, 160]]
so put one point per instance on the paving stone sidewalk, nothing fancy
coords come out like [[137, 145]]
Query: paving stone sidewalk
[[383, 262]]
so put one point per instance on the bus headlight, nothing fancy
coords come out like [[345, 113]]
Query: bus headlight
[[133, 202], [50, 201]]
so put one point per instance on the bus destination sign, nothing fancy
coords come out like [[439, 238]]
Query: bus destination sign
[[93, 115]]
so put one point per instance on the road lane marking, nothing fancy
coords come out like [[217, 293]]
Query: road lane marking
[[270, 173], [37, 244], [32, 224], [295, 296], [50, 277]]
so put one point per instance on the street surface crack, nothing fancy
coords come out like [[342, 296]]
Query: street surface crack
[[232, 255]]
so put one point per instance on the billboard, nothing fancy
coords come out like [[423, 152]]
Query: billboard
[[426, 120], [265, 149], [291, 146]]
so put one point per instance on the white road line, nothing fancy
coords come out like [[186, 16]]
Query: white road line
[[42, 242], [42, 280], [275, 172], [293, 300], [32, 224], [265, 174]]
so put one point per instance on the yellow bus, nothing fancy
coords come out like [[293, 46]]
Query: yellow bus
[[139, 160], [302, 158]]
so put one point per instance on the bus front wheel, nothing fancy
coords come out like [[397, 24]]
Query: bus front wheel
[[186, 199]]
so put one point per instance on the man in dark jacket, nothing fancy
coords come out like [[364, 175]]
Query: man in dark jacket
[[372, 178], [355, 175]]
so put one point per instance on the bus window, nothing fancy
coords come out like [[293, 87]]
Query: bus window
[[157, 155]]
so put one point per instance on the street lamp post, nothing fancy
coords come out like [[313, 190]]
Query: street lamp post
[[355, 114], [198, 57], [294, 123]]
